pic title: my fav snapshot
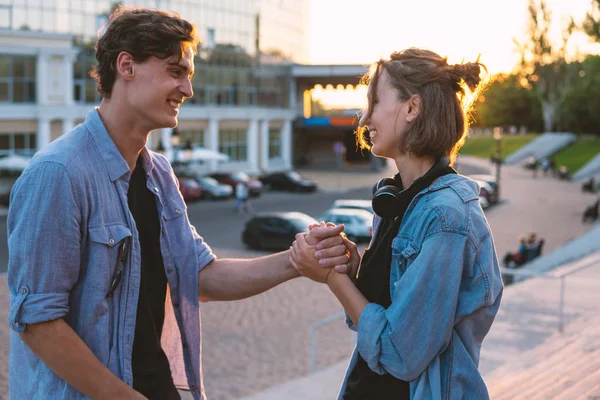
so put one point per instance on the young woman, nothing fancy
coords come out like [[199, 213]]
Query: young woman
[[429, 286]]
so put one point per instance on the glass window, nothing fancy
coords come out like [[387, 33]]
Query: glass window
[[233, 142], [4, 89], [4, 66], [274, 143]]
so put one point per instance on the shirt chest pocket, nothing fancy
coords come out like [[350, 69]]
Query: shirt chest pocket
[[404, 251], [108, 246], [176, 227]]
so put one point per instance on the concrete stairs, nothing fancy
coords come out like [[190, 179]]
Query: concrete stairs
[[565, 367], [544, 146]]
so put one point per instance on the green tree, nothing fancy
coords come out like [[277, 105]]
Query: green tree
[[579, 112], [506, 102], [543, 64], [591, 24]]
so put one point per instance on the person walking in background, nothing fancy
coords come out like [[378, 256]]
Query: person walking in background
[[241, 195], [105, 271], [429, 285]]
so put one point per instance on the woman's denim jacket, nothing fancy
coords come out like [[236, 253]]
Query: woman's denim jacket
[[445, 286]]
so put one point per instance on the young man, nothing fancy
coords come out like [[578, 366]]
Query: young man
[[105, 270]]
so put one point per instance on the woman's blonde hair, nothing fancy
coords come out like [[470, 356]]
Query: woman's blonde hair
[[447, 94]]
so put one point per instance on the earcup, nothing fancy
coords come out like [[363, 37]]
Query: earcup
[[386, 201], [384, 182]]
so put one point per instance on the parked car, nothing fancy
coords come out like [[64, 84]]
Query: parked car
[[255, 187], [275, 230], [290, 181], [355, 204], [493, 197], [190, 189], [485, 194], [212, 189], [358, 224]]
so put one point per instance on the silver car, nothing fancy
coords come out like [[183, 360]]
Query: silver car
[[357, 223]]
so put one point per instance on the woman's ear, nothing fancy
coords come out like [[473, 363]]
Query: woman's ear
[[414, 107]]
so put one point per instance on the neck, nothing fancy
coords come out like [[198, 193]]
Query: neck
[[124, 130], [411, 168]]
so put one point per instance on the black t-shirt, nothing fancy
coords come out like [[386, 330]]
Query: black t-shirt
[[150, 366]]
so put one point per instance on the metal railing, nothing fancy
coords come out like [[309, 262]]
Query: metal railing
[[557, 274]]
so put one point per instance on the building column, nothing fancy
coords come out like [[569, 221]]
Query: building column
[[286, 144], [252, 146], [264, 145], [212, 140], [68, 79], [293, 94], [43, 133], [67, 125], [165, 137], [41, 78]]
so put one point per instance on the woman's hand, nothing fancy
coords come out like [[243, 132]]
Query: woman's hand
[[333, 253]]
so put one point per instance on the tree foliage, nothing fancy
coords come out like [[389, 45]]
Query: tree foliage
[[579, 112], [506, 102], [591, 24], [543, 64]]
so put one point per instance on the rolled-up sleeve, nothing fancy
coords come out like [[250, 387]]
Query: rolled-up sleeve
[[203, 250], [403, 339], [43, 245]]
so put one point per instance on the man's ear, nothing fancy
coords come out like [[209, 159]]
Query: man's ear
[[414, 107], [125, 65]]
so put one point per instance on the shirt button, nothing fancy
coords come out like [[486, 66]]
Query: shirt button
[[24, 290], [155, 189], [111, 241], [177, 211], [396, 284], [169, 270], [176, 305]]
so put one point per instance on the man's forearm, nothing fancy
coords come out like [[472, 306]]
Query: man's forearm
[[235, 279], [59, 347]]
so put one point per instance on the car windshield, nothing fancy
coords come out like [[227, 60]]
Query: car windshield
[[209, 181], [240, 176], [302, 222], [293, 175]]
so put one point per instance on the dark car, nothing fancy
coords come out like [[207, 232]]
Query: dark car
[[275, 230], [189, 188], [255, 187], [493, 195], [290, 181]]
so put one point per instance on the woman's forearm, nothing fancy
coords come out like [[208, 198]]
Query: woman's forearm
[[348, 294]]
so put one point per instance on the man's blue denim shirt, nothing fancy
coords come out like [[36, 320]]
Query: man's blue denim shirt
[[68, 216], [445, 286]]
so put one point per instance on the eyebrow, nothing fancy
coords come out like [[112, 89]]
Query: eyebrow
[[182, 67]]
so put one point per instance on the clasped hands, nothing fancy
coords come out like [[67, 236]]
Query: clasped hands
[[325, 250]]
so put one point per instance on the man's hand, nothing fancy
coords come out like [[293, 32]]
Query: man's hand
[[302, 257]]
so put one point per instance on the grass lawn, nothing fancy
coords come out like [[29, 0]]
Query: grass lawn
[[485, 146], [578, 154]]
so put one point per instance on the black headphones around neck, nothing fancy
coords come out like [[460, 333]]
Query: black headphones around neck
[[390, 199]]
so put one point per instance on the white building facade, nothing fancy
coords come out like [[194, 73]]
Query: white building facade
[[245, 98]]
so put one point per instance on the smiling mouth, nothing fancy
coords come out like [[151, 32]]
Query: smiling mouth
[[174, 104]]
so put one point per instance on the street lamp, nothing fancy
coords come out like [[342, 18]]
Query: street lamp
[[498, 158]]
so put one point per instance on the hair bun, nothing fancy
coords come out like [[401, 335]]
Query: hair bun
[[469, 73]]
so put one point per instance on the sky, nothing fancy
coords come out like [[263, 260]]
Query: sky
[[361, 32]]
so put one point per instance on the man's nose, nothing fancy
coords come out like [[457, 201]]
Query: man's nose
[[186, 89]]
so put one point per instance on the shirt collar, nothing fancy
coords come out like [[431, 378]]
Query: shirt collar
[[115, 163]]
